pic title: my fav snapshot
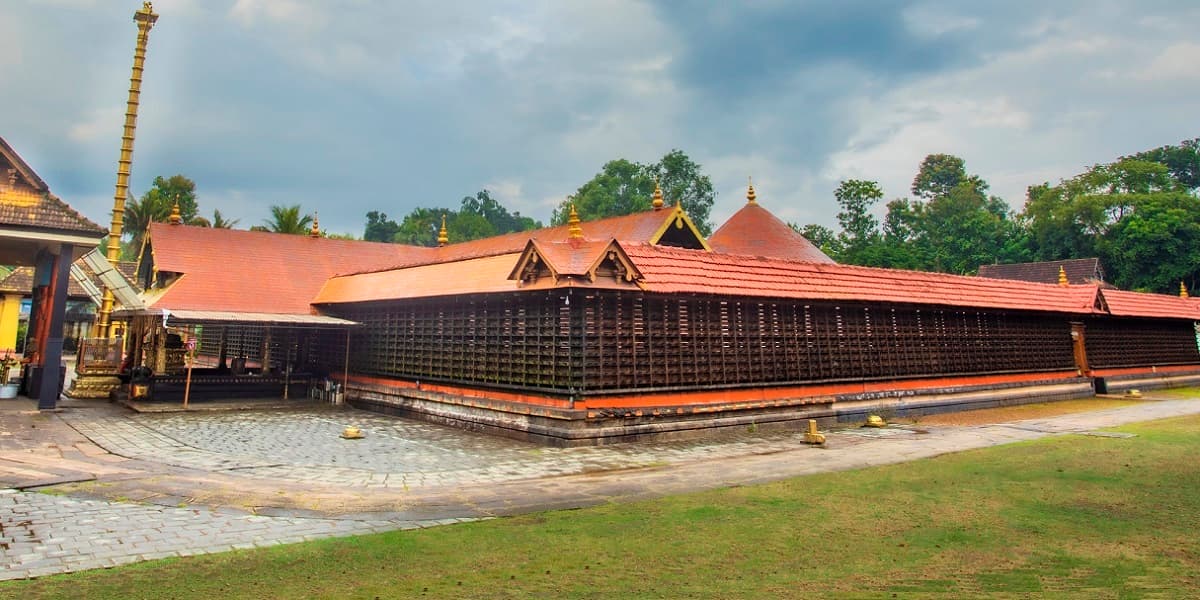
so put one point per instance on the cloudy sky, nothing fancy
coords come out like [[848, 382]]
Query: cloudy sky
[[347, 106]]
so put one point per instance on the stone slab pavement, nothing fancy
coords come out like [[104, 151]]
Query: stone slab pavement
[[130, 487]]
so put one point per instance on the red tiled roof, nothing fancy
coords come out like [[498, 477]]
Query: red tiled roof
[[252, 271], [754, 231], [639, 227], [1079, 270], [671, 270], [28, 203], [1137, 304], [472, 276]]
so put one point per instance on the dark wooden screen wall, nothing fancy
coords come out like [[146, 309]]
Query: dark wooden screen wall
[[1116, 343], [592, 341]]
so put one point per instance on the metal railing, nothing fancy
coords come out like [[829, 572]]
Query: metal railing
[[99, 355]]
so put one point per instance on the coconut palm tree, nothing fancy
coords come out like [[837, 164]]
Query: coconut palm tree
[[287, 219], [220, 222]]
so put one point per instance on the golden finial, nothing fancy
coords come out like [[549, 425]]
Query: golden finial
[[176, 218], [751, 197], [657, 202], [316, 227], [1182, 290], [574, 231], [443, 237], [1062, 276]]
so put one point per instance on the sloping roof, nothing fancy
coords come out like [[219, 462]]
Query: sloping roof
[[20, 281], [670, 270], [471, 276], [1079, 270], [641, 227], [754, 231], [1137, 304], [256, 272], [26, 201]]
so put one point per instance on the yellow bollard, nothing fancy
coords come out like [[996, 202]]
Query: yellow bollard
[[875, 421], [813, 436]]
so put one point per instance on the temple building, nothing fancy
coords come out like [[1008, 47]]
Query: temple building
[[632, 327], [40, 231]]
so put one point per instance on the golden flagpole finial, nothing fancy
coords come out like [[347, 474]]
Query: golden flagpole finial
[[1062, 276], [751, 197], [574, 231], [657, 201], [443, 237]]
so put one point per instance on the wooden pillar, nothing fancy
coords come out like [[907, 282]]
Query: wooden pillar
[[266, 352], [1079, 346], [51, 351]]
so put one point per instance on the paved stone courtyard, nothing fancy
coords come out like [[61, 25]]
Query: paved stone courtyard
[[304, 446], [135, 487]]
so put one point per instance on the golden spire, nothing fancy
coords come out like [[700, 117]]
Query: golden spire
[[1062, 276], [316, 226], [145, 19], [657, 201], [1182, 290], [574, 231], [443, 237], [176, 218], [751, 197]]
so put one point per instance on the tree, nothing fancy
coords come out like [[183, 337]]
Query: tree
[[860, 229], [495, 214], [1182, 161], [938, 175], [287, 219], [620, 188], [155, 207], [623, 187], [681, 181], [220, 222], [380, 228], [420, 227], [821, 237], [1139, 215]]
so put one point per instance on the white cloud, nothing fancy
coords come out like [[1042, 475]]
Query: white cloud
[[1175, 63], [102, 123], [290, 13]]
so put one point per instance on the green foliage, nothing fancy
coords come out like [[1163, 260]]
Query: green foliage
[[287, 219], [623, 187], [860, 229], [1136, 214], [220, 222], [953, 226], [155, 207], [480, 216], [380, 228], [821, 237]]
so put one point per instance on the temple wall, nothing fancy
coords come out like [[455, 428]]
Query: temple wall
[[572, 367]]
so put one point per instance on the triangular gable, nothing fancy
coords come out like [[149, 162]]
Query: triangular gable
[[679, 231], [574, 259], [14, 168], [532, 265]]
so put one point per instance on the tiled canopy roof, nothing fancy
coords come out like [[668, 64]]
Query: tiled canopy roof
[[1137, 304], [26, 201], [1078, 270], [754, 231], [257, 272], [20, 281]]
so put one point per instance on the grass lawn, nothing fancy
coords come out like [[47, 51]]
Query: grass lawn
[[1079, 516]]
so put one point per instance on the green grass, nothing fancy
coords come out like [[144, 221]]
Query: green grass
[[1074, 516]]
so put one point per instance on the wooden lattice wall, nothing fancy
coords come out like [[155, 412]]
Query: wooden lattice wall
[[614, 341], [1119, 343]]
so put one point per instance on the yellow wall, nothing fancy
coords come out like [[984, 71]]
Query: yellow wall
[[10, 315]]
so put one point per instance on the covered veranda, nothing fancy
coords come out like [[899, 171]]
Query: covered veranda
[[183, 356]]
